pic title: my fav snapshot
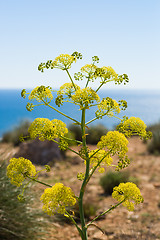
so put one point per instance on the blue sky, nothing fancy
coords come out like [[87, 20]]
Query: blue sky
[[125, 34]]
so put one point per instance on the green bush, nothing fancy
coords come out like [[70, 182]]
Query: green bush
[[90, 210], [14, 135], [153, 146], [17, 219], [76, 131], [94, 133], [112, 179]]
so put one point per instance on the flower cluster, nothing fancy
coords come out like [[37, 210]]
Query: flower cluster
[[134, 126], [29, 107], [109, 73], [100, 158], [85, 97], [19, 169], [65, 92], [67, 89], [63, 61], [41, 93], [57, 198], [44, 129], [129, 193], [23, 93], [107, 106], [116, 143], [89, 70]]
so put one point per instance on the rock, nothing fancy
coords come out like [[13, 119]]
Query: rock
[[156, 185], [39, 152], [99, 236]]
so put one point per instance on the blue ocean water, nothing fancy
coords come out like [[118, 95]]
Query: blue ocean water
[[141, 103]]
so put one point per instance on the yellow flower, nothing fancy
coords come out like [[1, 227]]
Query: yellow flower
[[67, 89], [85, 97], [59, 127], [134, 126], [44, 129], [18, 170], [107, 106], [109, 73], [65, 93], [41, 93], [101, 157], [116, 143], [129, 193], [57, 198], [89, 70], [63, 61]]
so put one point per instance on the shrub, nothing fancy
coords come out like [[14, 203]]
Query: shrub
[[76, 132], [154, 145], [14, 135], [94, 133], [90, 210], [112, 179], [17, 219]]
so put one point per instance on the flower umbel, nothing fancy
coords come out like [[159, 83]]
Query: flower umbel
[[85, 97], [100, 157], [19, 169], [89, 70], [41, 93], [57, 198], [63, 61], [109, 73], [134, 126], [45, 129], [107, 106], [129, 193], [116, 143], [65, 93]]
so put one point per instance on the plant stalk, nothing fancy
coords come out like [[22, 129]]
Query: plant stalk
[[81, 210]]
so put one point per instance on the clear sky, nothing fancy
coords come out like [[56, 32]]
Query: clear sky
[[125, 34]]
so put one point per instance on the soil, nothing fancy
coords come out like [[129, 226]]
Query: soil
[[143, 223]]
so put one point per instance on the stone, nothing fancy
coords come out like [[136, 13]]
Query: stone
[[39, 152]]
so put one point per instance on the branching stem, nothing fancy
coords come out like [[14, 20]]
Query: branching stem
[[113, 207], [35, 180], [71, 79]]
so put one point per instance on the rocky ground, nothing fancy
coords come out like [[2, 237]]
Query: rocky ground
[[143, 223]]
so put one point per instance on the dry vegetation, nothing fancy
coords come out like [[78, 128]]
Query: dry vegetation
[[143, 223]]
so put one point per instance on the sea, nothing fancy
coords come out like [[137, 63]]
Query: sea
[[144, 104]]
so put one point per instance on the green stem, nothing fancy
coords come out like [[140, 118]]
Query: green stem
[[104, 213], [104, 83], [100, 86], [98, 164], [92, 120], [88, 80], [74, 222], [35, 180], [102, 116], [81, 210], [69, 139], [47, 104], [71, 79]]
